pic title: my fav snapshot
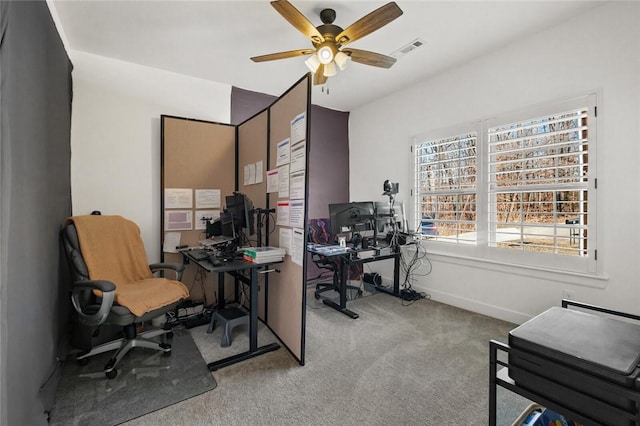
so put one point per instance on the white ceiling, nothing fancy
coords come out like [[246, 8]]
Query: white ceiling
[[214, 39]]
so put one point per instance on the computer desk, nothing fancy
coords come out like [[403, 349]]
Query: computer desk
[[235, 269], [350, 257]]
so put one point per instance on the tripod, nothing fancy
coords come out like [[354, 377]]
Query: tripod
[[392, 222]]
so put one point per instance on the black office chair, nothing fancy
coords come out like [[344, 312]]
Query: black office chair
[[320, 233], [112, 284]]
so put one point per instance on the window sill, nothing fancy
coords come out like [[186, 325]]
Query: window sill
[[560, 276]]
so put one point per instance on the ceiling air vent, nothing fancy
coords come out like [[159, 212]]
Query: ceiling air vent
[[399, 53]]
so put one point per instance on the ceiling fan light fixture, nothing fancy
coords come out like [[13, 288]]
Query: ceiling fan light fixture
[[313, 63], [342, 60], [329, 70], [325, 55]]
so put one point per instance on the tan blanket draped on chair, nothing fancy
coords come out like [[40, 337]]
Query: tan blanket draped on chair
[[113, 250]]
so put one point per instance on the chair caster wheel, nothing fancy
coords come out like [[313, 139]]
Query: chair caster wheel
[[111, 374], [317, 296]]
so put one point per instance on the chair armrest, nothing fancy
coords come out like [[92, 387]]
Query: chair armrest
[[176, 267], [93, 315]]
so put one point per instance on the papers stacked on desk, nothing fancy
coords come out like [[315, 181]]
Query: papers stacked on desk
[[264, 254]]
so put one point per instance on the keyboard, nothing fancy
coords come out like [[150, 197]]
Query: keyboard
[[199, 254]]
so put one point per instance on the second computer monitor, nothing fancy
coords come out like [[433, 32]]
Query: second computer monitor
[[384, 219], [351, 217]]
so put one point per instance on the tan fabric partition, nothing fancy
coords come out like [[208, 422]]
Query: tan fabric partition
[[201, 155], [287, 296], [196, 155]]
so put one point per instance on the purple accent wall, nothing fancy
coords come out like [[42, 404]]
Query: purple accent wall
[[328, 160], [245, 104]]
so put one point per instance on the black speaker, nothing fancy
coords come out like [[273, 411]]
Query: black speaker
[[373, 278]]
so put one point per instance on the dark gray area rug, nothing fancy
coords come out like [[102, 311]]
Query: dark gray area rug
[[147, 381]]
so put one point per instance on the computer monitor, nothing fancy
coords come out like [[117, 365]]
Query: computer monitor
[[241, 207], [351, 217]]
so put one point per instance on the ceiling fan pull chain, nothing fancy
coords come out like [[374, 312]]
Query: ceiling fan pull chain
[[327, 86]]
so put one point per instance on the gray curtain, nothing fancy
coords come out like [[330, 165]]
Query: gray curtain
[[35, 189]]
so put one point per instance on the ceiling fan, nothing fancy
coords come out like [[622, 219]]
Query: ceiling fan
[[329, 40]]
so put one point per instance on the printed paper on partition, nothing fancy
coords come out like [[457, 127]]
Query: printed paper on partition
[[297, 246], [285, 240], [296, 213], [272, 181], [299, 156], [249, 174], [283, 181], [178, 220], [171, 242], [178, 198], [283, 153], [207, 198], [298, 128], [296, 185], [282, 213], [259, 171], [204, 216]]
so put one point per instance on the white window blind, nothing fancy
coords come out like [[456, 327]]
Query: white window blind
[[445, 187], [538, 184]]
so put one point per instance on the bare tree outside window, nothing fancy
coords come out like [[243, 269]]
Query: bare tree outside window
[[538, 184]]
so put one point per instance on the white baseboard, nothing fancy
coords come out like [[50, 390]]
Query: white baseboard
[[472, 305]]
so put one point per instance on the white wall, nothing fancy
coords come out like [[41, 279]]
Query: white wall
[[600, 51], [115, 135]]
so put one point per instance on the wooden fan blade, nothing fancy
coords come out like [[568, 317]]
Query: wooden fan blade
[[298, 20], [370, 58], [369, 23], [282, 55], [319, 77]]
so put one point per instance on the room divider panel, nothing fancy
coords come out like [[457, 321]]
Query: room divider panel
[[266, 158]]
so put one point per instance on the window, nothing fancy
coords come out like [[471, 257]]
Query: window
[[538, 184], [520, 187], [446, 187]]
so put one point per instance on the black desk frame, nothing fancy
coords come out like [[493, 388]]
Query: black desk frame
[[234, 268], [500, 377], [350, 258]]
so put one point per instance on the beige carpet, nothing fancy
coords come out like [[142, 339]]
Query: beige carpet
[[423, 364]]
